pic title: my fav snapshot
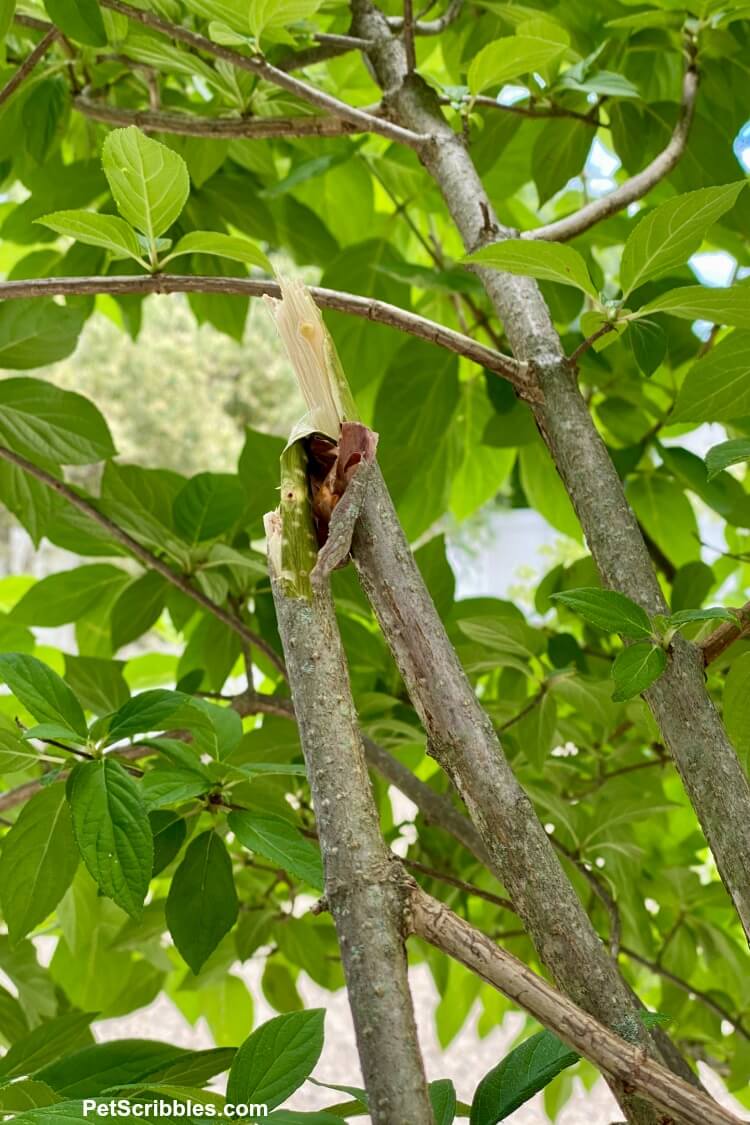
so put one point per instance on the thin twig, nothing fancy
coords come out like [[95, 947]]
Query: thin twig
[[429, 27], [685, 986], [257, 65], [523, 109], [407, 31], [588, 343], [461, 884], [638, 185], [149, 560], [28, 64], [368, 308]]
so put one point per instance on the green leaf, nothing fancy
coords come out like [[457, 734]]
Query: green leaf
[[38, 420], [527, 1069], [103, 1066], [636, 668], [112, 831], [41, 691], [608, 610], [223, 245], [269, 15], [39, 859], [546, 261], [535, 731], [207, 506], [202, 902], [169, 831], [544, 489], [717, 387], [81, 20], [278, 840], [138, 607], [735, 705], [697, 302], [99, 684], [42, 114], [648, 343], [66, 596], [713, 613], [107, 231], [36, 332], [668, 235], [14, 754], [45, 1044], [559, 154], [443, 1099], [149, 182], [725, 454], [277, 1058], [509, 58], [27, 1094], [148, 711]]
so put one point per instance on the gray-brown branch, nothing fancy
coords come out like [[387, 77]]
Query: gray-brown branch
[[613, 1052], [363, 889], [366, 308]]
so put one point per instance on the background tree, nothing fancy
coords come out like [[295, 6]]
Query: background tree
[[432, 167]]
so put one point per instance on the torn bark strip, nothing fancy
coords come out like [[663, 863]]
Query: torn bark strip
[[365, 896]]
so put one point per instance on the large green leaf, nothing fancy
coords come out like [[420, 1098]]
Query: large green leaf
[[509, 58], [698, 302], [717, 387], [725, 454], [607, 609], [38, 861], [37, 332], [207, 505], [277, 1058], [547, 261], [39, 420], [107, 231], [737, 705], [112, 831], [278, 840], [81, 20], [202, 902], [137, 608], [667, 236], [149, 181], [66, 596], [521, 1074], [42, 692], [636, 668], [223, 246], [45, 1043]]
